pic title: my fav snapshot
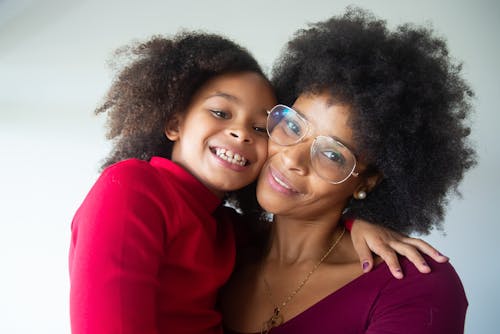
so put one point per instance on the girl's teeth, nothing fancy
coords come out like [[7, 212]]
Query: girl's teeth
[[230, 156]]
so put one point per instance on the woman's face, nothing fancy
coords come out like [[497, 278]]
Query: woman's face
[[289, 185]]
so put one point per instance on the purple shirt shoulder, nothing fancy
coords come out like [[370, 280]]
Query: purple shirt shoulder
[[378, 303]]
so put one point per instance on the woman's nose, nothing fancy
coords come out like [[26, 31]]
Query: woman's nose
[[296, 157]]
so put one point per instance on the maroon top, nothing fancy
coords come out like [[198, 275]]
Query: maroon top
[[377, 303], [147, 254]]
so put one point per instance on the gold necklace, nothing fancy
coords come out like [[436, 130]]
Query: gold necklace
[[277, 318]]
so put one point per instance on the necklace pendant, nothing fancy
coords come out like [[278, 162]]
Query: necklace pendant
[[275, 320]]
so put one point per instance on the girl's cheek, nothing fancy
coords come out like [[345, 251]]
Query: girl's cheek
[[265, 150]]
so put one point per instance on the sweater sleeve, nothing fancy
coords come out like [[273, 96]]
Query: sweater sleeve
[[115, 253], [433, 303]]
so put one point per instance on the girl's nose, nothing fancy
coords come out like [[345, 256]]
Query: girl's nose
[[240, 135]]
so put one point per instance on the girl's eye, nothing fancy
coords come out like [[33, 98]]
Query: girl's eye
[[260, 129], [220, 114]]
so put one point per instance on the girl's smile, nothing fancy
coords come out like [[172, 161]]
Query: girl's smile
[[230, 156]]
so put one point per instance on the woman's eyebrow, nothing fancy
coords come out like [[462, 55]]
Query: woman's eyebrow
[[299, 113], [349, 146]]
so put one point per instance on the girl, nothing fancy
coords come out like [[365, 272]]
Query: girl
[[147, 255]]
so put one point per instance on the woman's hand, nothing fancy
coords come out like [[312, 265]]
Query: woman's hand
[[368, 238]]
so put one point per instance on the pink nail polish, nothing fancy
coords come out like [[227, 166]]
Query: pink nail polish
[[365, 265]]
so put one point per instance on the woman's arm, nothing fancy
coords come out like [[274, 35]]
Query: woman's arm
[[386, 243]]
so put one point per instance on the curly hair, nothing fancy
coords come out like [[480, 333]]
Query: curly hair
[[158, 79], [409, 110]]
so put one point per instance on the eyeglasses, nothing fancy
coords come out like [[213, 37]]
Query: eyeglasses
[[330, 159]]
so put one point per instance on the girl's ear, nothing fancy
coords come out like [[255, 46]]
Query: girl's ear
[[172, 129], [369, 183]]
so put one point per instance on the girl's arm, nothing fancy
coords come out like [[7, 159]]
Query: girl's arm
[[386, 243], [115, 253]]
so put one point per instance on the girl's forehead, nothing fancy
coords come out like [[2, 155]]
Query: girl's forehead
[[239, 78], [247, 92], [237, 85]]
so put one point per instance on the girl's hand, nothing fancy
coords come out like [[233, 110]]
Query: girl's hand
[[368, 238]]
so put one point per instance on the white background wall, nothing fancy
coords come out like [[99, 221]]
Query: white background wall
[[53, 73]]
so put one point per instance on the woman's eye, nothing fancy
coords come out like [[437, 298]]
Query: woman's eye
[[293, 128], [220, 114], [334, 156]]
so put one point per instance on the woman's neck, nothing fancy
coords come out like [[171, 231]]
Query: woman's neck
[[295, 241]]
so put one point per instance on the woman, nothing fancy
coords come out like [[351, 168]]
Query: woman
[[375, 129]]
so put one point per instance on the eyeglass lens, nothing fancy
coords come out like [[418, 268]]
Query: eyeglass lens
[[330, 158], [285, 126]]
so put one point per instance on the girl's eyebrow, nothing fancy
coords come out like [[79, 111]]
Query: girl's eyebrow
[[226, 96], [231, 98]]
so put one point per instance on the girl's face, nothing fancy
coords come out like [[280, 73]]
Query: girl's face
[[289, 185], [221, 139]]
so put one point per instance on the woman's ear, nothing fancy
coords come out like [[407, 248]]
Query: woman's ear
[[368, 184], [172, 129]]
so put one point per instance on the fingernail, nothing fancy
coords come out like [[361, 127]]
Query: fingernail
[[399, 273], [365, 265], [425, 264], [439, 253]]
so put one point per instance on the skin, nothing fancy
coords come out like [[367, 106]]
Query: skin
[[307, 211], [228, 112]]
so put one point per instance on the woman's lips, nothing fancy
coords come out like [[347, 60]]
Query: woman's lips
[[279, 183]]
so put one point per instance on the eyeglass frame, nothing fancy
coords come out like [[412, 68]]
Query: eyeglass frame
[[301, 138]]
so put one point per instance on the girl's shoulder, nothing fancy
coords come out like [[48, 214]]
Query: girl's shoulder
[[127, 167], [131, 171]]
